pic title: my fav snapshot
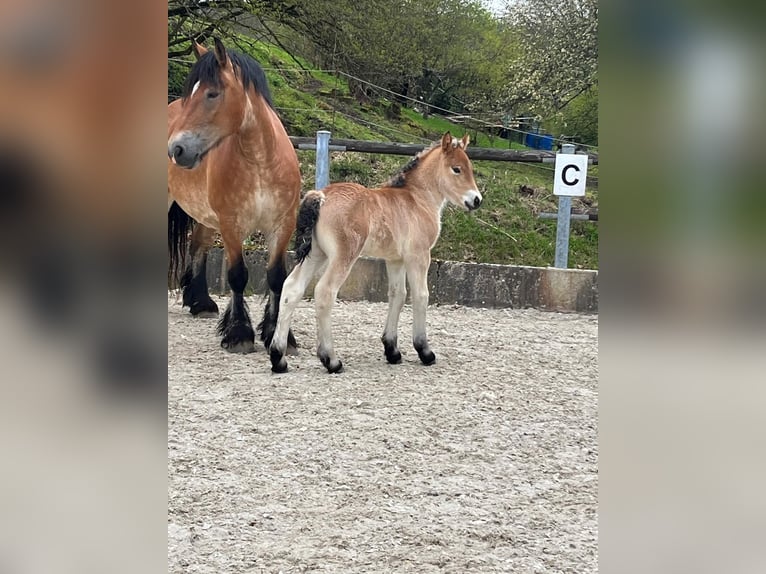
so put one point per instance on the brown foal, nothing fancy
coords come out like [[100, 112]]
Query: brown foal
[[399, 222]]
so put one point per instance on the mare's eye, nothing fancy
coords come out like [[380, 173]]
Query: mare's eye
[[211, 95], [456, 169]]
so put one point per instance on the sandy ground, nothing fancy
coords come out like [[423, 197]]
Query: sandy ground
[[484, 462]]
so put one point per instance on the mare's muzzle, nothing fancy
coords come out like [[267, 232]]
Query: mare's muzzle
[[186, 150]]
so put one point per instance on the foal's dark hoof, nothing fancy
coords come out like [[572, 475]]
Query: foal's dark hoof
[[393, 357], [239, 339], [331, 367], [278, 363], [427, 357]]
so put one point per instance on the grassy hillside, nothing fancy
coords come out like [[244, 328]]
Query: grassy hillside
[[504, 230]]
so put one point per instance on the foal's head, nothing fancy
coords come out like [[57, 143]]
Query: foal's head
[[453, 172], [214, 102]]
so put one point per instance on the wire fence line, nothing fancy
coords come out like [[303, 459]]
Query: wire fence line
[[447, 113]]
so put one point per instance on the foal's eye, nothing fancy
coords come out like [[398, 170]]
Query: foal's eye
[[213, 95], [456, 169]]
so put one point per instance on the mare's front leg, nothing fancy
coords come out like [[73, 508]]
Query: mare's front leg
[[417, 275], [275, 277], [397, 293], [194, 280], [292, 292], [235, 326]]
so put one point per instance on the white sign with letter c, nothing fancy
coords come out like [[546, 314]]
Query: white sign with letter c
[[571, 171]]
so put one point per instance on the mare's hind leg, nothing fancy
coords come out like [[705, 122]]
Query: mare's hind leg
[[275, 276], [235, 326], [292, 292], [325, 294], [417, 275], [194, 279], [397, 293]]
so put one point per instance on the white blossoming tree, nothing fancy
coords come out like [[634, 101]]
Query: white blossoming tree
[[558, 60]]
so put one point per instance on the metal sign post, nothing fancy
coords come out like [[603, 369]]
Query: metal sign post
[[569, 180]]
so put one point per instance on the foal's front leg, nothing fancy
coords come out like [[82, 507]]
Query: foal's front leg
[[417, 275]]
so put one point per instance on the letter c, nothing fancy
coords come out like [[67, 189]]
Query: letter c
[[564, 174]]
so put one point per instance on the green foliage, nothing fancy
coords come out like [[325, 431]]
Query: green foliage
[[579, 119]]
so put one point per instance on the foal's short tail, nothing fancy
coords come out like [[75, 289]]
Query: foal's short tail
[[308, 214], [179, 225]]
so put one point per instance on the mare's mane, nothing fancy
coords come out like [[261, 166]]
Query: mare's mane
[[207, 71]]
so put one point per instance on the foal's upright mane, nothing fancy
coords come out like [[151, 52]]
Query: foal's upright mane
[[399, 179], [207, 71]]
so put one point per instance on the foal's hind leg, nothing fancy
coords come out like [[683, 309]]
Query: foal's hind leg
[[235, 326], [292, 292], [417, 275], [194, 279], [275, 276], [325, 294], [397, 293]]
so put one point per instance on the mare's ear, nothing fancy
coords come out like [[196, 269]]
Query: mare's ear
[[198, 49], [446, 142], [465, 141], [220, 53]]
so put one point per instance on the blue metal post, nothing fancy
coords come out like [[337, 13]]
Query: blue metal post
[[323, 159], [562, 222]]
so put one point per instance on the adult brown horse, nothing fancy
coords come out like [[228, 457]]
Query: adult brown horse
[[231, 169], [399, 222]]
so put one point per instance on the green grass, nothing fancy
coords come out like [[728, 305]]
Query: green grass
[[505, 229]]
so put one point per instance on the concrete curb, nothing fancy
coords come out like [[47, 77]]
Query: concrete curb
[[450, 282]]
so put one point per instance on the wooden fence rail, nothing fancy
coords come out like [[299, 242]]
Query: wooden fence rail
[[478, 153]]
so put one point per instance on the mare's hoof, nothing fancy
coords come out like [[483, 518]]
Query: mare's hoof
[[242, 347], [206, 315], [204, 309], [239, 339]]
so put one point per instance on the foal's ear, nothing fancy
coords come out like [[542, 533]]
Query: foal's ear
[[465, 141], [220, 53], [198, 49], [446, 142]]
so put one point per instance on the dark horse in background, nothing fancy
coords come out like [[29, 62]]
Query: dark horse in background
[[232, 169]]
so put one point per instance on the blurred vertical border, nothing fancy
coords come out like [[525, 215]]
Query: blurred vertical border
[[682, 278], [83, 389]]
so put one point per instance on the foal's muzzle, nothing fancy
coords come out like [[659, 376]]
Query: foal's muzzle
[[472, 200]]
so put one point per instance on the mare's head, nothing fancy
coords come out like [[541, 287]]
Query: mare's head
[[215, 102], [445, 168]]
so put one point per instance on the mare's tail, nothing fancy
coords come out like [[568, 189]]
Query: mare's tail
[[308, 214], [179, 225]]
